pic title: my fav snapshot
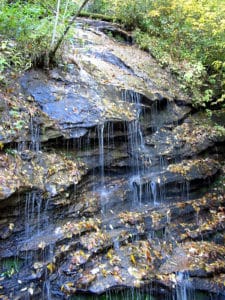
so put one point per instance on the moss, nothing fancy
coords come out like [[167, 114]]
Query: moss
[[95, 16]]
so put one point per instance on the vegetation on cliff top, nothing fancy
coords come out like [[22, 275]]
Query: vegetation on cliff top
[[186, 36]]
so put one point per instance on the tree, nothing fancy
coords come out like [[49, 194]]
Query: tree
[[29, 31], [52, 52]]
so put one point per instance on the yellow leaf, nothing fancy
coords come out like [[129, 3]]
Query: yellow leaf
[[51, 267], [104, 272], [133, 260], [109, 254]]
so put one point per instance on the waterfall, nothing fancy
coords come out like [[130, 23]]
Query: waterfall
[[139, 153], [101, 151], [153, 186], [35, 144], [135, 134], [46, 294], [136, 187], [35, 214], [33, 205], [136, 146], [183, 287], [102, 191]]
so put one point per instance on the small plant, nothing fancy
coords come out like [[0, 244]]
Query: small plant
[[220, 129], [208, 113], [12, 152], [19, 124], [10, 267]]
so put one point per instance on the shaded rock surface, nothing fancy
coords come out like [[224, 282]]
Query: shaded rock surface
[[107, 179], [49, 173]]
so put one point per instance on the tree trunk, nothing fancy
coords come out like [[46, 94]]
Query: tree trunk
[[59, 42], [55, 25]]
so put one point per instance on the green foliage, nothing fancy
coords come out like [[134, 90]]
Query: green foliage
[[102, 17], [130, 12], [10, 266], [26, 29], [99, 6], [11, 55], [220, 129], [155, 45], [25, 23], [186, 35]]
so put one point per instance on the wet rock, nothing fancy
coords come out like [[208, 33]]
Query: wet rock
[[209, 285], [124, 268], [88, 205], [191, 171], [201, 259], [39, 243], [85, 280], [112, 59], [147, 77], [46, 172], [195, 169], [7, 231], [21, 120], [77, 106], [197, 134], [172, 115], [94, 241], [110, 29]]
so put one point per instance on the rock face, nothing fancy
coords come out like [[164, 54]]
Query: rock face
[[108, 181], [50, 173]]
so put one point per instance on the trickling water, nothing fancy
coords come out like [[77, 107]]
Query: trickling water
[[146, 168], [162, 162], [131, 294], [101, 151], [110, 137], [29, 211], [135, 134], [183, 287], [39, 203], [135, 144], [21, 146], [185, 190], [33, 214], [116, 244], [35, 144], [154, 113], [46, 294], [136, 188], [131, 96], [188, 189], [153, 186], [103, 191]]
